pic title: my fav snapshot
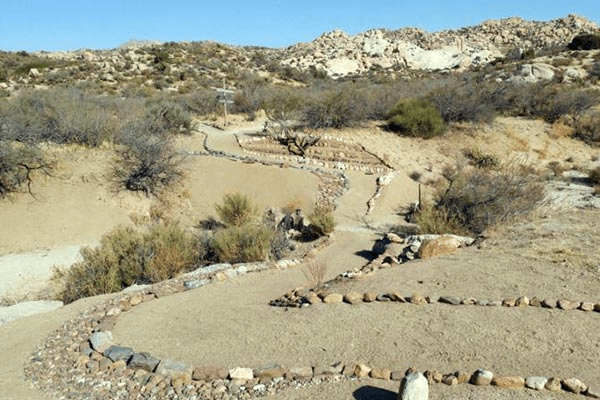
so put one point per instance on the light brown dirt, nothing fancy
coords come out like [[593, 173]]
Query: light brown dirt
[[230, 323]]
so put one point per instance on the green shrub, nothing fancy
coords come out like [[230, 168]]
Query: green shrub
[[416, 118], [236, 210], [322, 220], [245, 243], [126, 257]]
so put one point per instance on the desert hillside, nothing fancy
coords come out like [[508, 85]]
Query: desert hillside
[[197, 220]]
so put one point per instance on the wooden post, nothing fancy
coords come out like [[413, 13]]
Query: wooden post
[[224, 106]]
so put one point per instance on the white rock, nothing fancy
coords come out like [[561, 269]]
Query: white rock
[[414, 386], [241, 373], [536, 382]]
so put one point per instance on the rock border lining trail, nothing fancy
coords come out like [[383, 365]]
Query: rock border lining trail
[[80, 358]]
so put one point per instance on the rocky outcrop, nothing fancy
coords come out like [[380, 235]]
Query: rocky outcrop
[[340, 54]]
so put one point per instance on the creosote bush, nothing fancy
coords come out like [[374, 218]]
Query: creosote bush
[[127, 256], [416, 118]]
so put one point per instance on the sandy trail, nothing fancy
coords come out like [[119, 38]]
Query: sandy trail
[[234, 317]]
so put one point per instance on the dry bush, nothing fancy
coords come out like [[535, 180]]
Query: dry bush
[[125, 257], [322, 220], [437, 220], [468, 100], [314, 272], [236, 210], [479, 198], [594, 176], [18, 165], [588, 130], [241, 244], [335, 107], [66, 116], [540, 100], [147, 161], [481, 159], [169, 115]]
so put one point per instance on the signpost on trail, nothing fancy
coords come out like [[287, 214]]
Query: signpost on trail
[[226, 97]]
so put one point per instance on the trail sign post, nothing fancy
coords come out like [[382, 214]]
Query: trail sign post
[[226, 97]]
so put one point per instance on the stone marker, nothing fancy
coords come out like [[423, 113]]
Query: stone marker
[[413, 386], [209, 373], [333, 298]]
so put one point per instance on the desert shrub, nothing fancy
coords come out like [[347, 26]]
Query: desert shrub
[[437, 220], [416, 118], [171, 116], [125, 257], [540, 100], [18, 165], [65, 116], [201, 102], [335, 107], [595, 70], [594, 176], [146, 160], [468, 101], [585, 41], [236, 210], [322, 220], [251, 96], [588, 130], [479, 198], [481, 159], [245, 243]]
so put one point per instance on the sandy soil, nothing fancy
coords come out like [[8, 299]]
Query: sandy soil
[[545, 257]]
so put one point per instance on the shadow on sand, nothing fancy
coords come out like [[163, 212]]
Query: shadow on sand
[[373, 393]]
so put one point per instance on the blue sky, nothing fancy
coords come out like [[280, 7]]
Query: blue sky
[[104, 24]]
